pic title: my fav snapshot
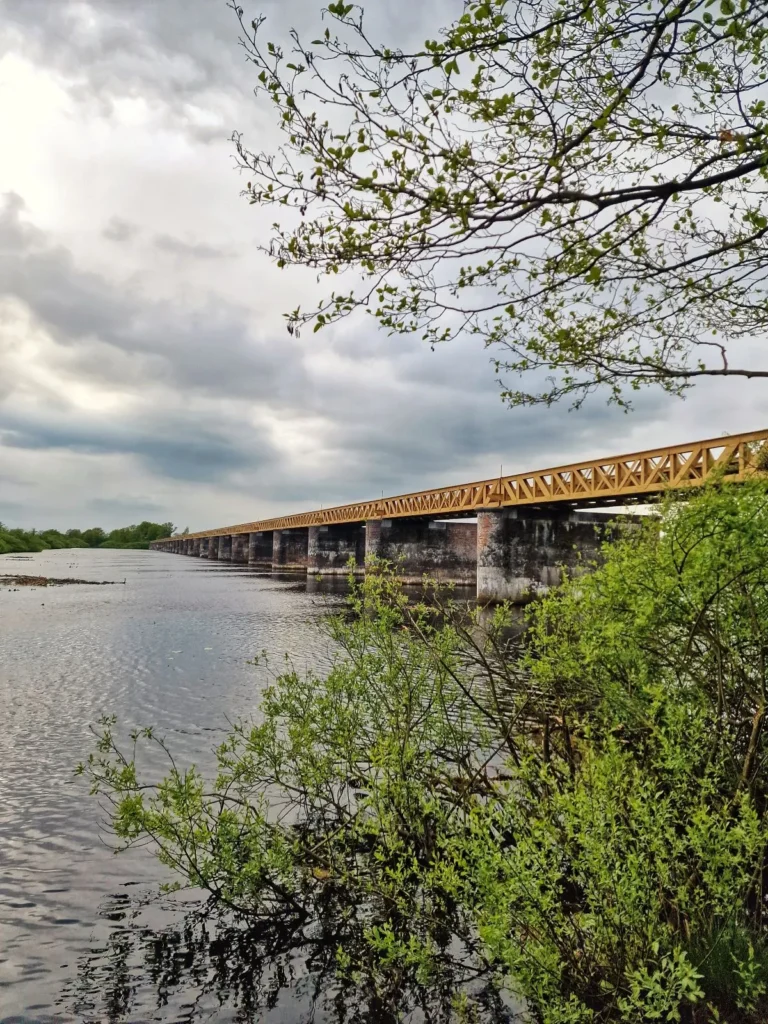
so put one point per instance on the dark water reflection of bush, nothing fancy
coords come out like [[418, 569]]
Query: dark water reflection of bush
[[210, 965]]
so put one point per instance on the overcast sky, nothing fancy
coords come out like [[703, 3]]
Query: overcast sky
[[145, 370]]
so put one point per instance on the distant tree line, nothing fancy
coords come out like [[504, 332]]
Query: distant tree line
[[18, 540]]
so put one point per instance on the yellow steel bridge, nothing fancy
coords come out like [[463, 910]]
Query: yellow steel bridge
[[617, 480]]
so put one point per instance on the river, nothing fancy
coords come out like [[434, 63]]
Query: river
[[81, 930]]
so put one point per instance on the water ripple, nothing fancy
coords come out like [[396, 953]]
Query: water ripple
[[169, 648]]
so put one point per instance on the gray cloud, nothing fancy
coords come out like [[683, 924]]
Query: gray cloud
[[192, 250], [178, 447], [169, 52], [181, 55], [124, 507], [379, 417], [119, 230], [11, 510], [210, 349]]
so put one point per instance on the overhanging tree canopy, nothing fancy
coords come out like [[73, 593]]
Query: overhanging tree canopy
[[580, 183]]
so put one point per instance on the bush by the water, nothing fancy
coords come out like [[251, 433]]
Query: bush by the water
[[581, 818], [17, 540], [12, 541]]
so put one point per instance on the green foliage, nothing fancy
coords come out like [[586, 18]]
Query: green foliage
[[17, 540], [580, 185], [137, 537], [94, 537], [680, 604], [582, 816]]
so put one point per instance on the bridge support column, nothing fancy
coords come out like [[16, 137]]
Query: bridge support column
[[225, 547], [204, 541], [260, 548], [372, 538], [329, 548], [290, 548], [522, 552], [213, 548], [418, 546], [240, 547]]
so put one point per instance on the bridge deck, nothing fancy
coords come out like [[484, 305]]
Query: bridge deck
[[622, 478]]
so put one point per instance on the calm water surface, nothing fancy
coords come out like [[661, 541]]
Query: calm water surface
[[83, 935]]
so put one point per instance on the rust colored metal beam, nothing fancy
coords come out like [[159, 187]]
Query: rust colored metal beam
[[626, 478]]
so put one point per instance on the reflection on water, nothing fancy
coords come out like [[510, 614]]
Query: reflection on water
[[172, 966], [170, 647], [83, 935]]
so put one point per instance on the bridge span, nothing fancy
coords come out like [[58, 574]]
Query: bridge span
[[530, 526]]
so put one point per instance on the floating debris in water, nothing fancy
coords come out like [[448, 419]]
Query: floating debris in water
[[14, 579]]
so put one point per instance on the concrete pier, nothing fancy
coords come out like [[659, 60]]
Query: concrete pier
[[260, 548], [417, 546], [240, 547], [290, 548], [330, 548], [521, 553], [373, 538], [511, 554]]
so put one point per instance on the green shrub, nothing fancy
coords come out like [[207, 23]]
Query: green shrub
[[12, 543], [584, 816], [137, 537]]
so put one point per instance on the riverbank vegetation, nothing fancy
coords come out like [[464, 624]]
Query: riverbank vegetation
[[17, 540], [578, 823]]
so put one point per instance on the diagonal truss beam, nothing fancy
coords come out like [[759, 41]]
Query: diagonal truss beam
[[626, 477]]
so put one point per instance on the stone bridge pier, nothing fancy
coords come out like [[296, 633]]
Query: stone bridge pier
[[521, 552], [329, 548], [290, 548], [444, 550], [511, 554], [240, 547], [260, 549]]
